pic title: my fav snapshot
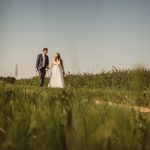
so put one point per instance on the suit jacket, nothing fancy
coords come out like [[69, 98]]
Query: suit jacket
[[39, 62]]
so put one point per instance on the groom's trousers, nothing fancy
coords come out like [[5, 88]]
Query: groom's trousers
[[42, 73]]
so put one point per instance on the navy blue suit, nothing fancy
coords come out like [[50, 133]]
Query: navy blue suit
[[41, 68]]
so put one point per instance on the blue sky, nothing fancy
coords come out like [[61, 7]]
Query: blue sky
[[91, 35]]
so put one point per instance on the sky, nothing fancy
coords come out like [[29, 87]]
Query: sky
[[90, 35]]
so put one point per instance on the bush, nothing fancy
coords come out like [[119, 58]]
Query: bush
[[10, 80]]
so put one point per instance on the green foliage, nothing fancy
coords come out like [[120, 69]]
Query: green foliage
[[34, 118], [135, 79], [10, 80], [120, 79]]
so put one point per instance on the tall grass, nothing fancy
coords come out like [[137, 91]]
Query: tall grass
[[120, 86], [33, 118]]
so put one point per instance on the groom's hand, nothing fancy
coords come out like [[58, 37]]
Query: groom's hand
[[47, 68]]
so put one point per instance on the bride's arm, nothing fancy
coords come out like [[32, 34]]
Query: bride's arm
[[62, 65], [50, 65]]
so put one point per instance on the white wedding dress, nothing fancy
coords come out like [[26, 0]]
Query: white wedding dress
[[56, 78]]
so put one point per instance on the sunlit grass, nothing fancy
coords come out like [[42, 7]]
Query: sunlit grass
[[34, 118]]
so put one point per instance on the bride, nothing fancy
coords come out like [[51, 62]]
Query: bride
[[57, 73]]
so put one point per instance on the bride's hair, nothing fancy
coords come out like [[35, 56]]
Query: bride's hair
[[58, 57]]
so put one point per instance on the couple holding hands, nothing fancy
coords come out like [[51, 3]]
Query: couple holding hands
[[56, 66]]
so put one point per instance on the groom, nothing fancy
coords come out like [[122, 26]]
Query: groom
[[42, 63]]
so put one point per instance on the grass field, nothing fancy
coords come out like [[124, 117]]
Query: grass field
[[34, 118]]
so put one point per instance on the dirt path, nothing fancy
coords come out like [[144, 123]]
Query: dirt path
[[137, 108]]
